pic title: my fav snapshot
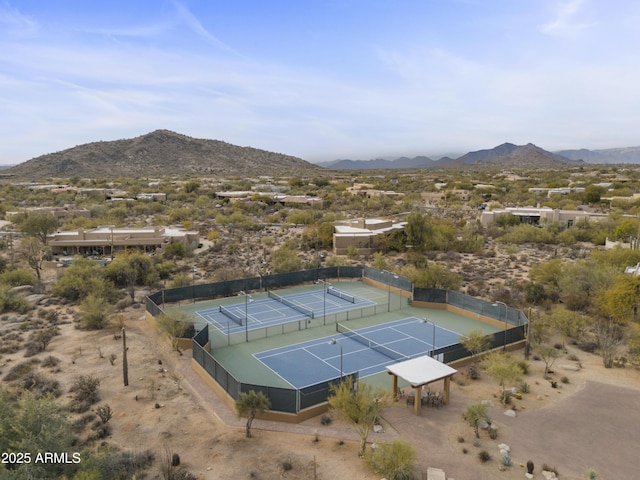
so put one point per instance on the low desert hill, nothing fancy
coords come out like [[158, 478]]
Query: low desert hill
[[158, 154]]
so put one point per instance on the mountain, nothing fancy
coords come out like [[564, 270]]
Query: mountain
[[505, 155], [509, 155], [610, 155], [162, 153], [378, 164]]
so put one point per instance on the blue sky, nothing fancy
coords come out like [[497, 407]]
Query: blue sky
[[321, 79]]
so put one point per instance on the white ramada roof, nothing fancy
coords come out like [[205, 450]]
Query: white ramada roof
[[422, 370]]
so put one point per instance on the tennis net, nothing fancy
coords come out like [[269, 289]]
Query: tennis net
[[236, 318], [378, 347], [340, 294], [289, 303]]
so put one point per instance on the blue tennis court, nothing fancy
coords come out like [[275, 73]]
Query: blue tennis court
[[366, 350], [249, 314]]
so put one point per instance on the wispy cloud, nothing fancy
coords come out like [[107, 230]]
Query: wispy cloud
[[191, 21], [15, 21], [566, 18]]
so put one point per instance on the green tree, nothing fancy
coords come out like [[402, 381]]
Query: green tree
[[34, 253], [81, 278], [131, 268], [249, 404], [580, 282], [503, 367], [39, 226], [548, 353], [379, 261], [360, 406], [567, 323], [476, 342], [285, 259], [174, 323], [622, 299], [416, 230], [35, 425], [94, 312], [475, 415], [592, 194], [394, 461]]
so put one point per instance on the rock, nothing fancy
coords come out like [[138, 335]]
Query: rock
[[22, 289], [36, 298], [378, 429], [549, 475], [487, 402], [572, 368], [504, 446], [510, 413], [484, 425], [528, 475]]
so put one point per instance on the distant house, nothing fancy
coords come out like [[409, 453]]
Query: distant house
[[66, 211], [361, 233], [541, 215], [155, 197], [106, 240]]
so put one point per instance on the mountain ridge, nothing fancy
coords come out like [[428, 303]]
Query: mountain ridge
[[161, 153]]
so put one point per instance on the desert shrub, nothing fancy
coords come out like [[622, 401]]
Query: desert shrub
[[564, 379], [86, 389], [558, 346], [40, 385], [18, 277], [12, 302], [524, 366], [287, 465], [573, 357], [476, 442], [105, 413], [326, 420], [460, 439], [473, 372], [484, 456], [547, 468], [505, 397], [493, 433], [589, 347], [506, 460], [102, 431], [82, 422], [114, 464], [50, 361], [591, 474], [395, 460], [20, 370]]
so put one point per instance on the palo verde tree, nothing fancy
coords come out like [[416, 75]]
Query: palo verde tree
[[503, 367], [361, 406], [474, 415], [174, 323], [131, 268], [39, 226], [475, 342], [95, 312], [249, 404]]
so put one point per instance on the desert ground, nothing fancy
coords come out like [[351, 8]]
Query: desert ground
[[167, 409]]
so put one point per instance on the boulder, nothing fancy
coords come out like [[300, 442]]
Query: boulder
[[510, 413]]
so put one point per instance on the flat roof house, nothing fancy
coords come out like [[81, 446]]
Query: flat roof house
[[105, 240]]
